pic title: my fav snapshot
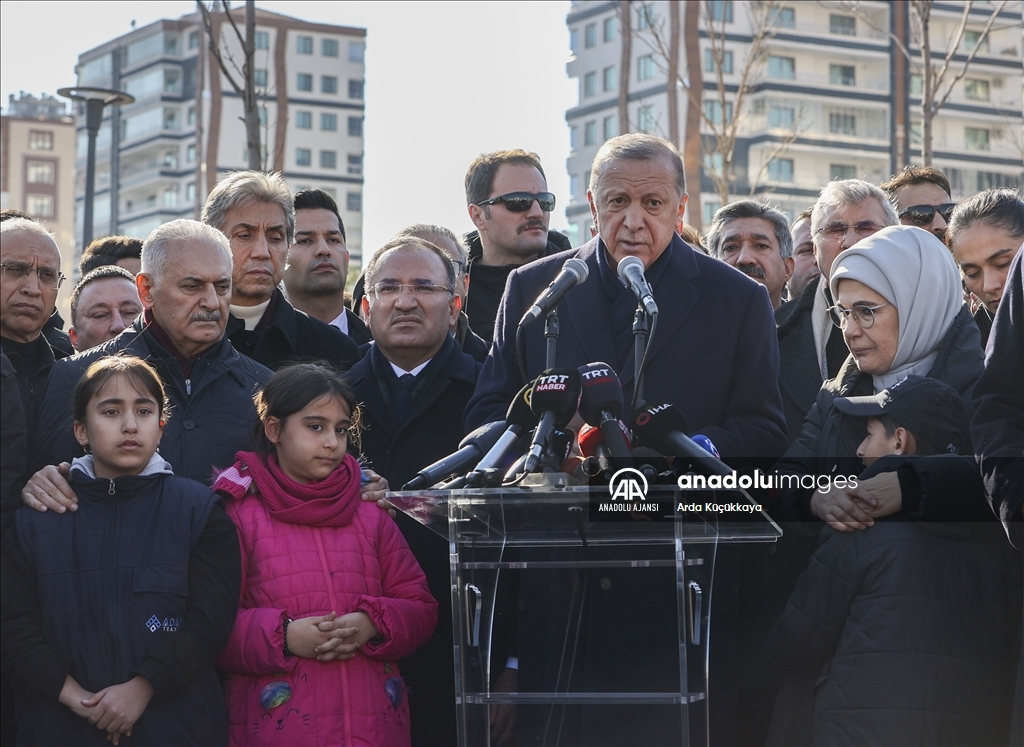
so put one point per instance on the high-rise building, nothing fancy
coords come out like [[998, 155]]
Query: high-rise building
[[158, 159], [829, 95], [37, 159]]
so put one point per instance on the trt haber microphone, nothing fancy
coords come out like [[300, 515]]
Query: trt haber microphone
[[601, 405], [631, 271], [663, 427], [556, 397], [574, 272], [473, 446]]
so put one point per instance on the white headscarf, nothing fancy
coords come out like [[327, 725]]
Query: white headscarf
[[913, 271]]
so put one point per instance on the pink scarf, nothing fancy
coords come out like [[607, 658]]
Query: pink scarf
[[332, 502]]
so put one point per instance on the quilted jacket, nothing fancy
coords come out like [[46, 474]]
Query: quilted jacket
[[295, 571]]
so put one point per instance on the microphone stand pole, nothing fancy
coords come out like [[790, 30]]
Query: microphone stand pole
[[640, 329], [550, 338]]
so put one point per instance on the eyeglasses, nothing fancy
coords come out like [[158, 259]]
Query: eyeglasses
[[48, 277], [520, 202], [388, 291], [863, 315], [838, 231], [922, 215], [460, 266]]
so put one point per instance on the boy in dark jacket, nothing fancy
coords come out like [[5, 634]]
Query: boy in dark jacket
[[910, 628]]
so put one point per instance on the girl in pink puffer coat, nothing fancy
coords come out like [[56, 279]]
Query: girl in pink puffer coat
[[331, 595]]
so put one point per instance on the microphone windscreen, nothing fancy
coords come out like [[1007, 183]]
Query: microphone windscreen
[[601, 391], [578, 268], [653, 425], [625, 264], [484, 437], [558, 391], [561, 444], [519, 412]]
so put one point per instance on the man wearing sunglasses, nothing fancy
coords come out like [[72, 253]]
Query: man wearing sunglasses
[[921, 197], [509, 203]]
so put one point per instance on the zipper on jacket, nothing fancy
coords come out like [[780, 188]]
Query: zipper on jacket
[[110, 490]]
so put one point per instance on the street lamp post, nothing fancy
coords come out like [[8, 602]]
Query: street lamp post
[[95, 99]]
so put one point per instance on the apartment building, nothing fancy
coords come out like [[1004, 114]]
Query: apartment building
[[829, 96], [37, 161], [158, 158]]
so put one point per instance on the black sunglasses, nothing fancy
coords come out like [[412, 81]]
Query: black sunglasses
[[922, 215], [520, 202]]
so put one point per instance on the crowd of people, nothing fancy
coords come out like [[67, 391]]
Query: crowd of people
[[196, 548]]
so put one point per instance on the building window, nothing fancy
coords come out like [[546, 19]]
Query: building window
[[995, 180], [329, 47], [355, 89], [574, 40], [842, 75], [190, 154], [842, 25], [190, 191], [720, 10], [782, 68], [193, 40], [608, 125], [328, 159], [590, 35], [262, 40], [609, 29], [328, 84], [976, 138], [262, 114], [354, 202], [574, 138], [191, 116], [355, 163], [780, 170], [713, 112], [259, 77], [714, 164], [328, 122], [590, 133], [781, 116], [608, 78], [710, 208], [590, 84], [40, 140], [574, 186], [976, 90], [842, 124], [783, 18], [970, 40], [303, 157], [170, 119], [355, 126], [645, 67], [171, 44], [40, 172], [644, 17], [304, 44], [304, 82], [916, 84], [842, 171], [40, 206], [645, 118], [356, 51], [304, 120], [172, 81], [710, 64]]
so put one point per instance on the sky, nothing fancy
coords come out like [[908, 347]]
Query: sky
[[445, 82]]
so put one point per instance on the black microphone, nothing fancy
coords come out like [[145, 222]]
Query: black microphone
[[631, 271], [601, 405], [520, 418], [556, 397], [472, 447], [574, 272], [663, 427]]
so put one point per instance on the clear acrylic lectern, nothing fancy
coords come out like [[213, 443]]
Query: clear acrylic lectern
[[607, 610]]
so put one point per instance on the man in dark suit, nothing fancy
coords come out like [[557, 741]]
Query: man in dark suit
[[714, 353], [254, 210], [316, 270], [412, 384]]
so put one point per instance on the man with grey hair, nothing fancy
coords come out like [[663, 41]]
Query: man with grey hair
[[811, 347], [184, 287], [254, 210], [755, 239], [413, 384]]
